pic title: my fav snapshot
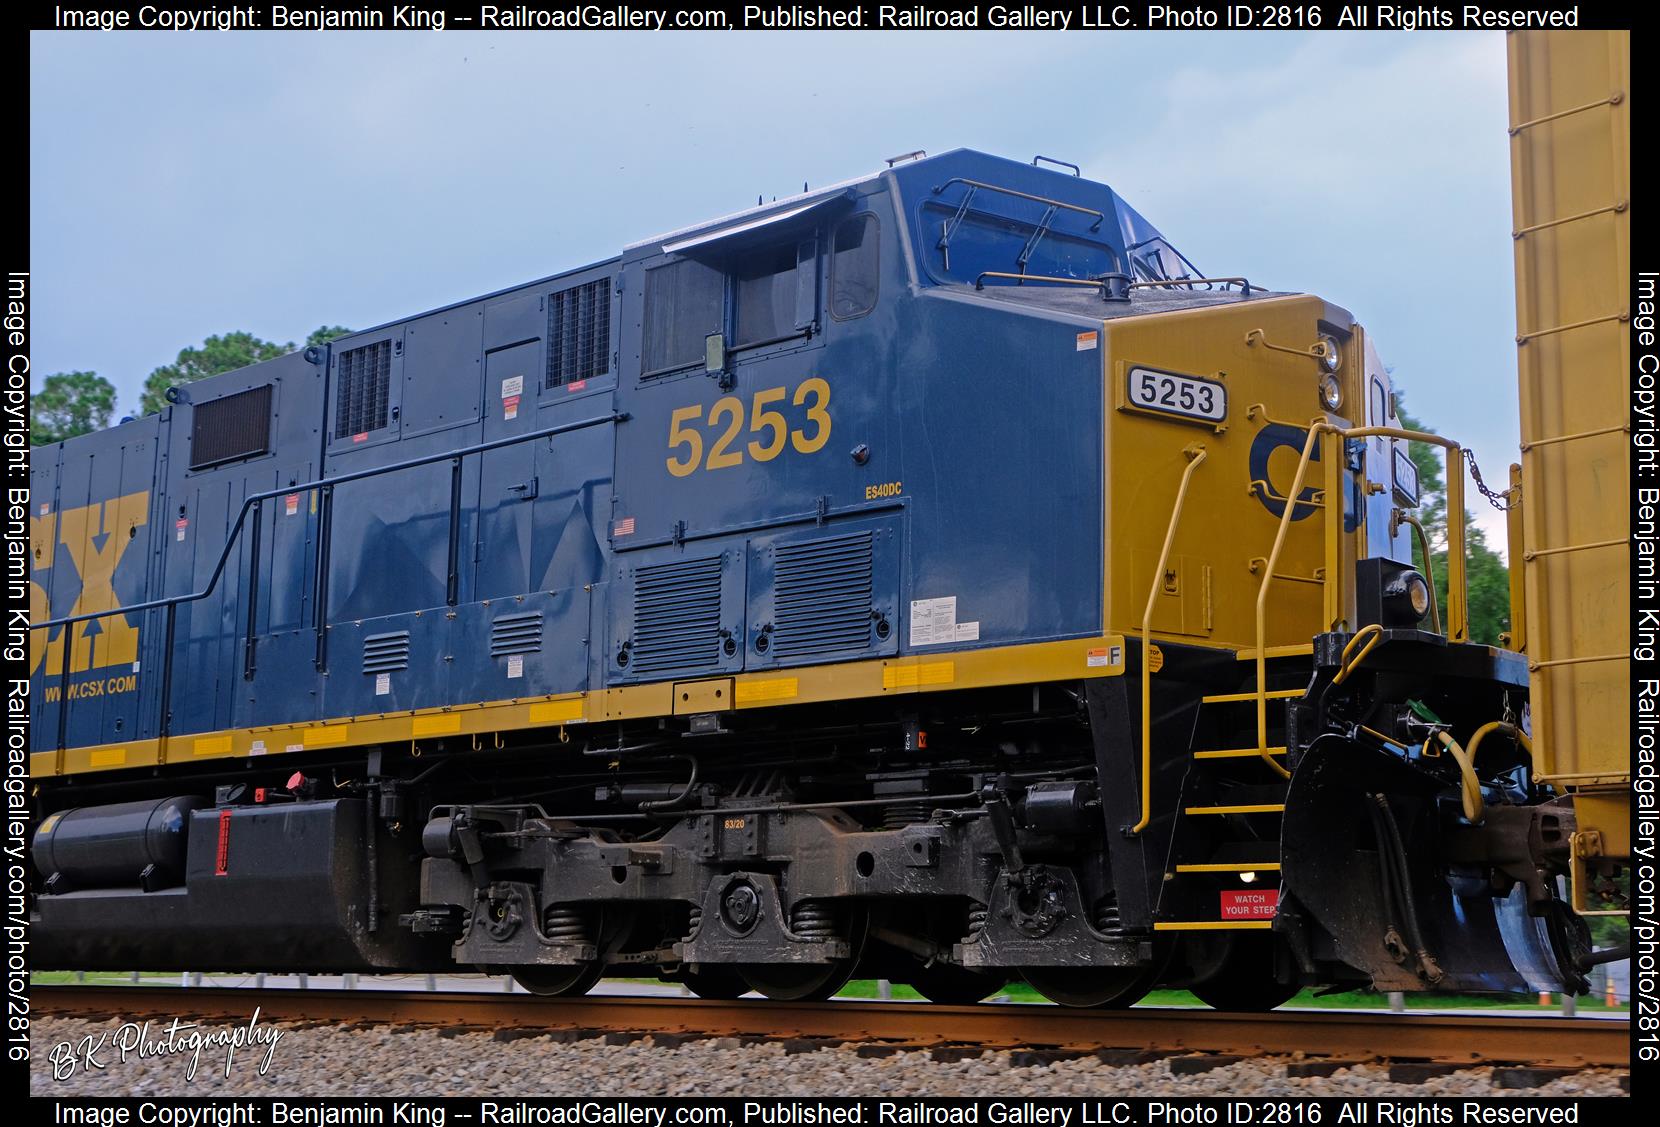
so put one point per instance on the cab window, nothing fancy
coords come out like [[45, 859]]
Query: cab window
[[853, 266], [764, 286], [684, 304]]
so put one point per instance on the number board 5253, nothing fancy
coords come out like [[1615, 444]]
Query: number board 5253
[[1193, 399]]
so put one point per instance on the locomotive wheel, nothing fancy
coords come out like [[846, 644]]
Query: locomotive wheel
[[722, 983], [560, 981], [809, 982], [1243, 981], [798, 982], [1115, 988], [1244, 995], [612, 924], [953, 985]]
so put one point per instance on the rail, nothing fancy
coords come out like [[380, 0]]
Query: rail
[[254, 503], [1458, 624], [1346, 1036]]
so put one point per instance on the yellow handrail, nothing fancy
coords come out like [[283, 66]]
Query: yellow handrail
[[1195, 455], [1458, 627]]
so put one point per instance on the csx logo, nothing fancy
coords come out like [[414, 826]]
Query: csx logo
[[92, 540], [1278, 436]]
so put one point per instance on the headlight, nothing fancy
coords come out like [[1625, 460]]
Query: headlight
[[1331, 392], [1394, 595], [1417, 594], [1333, 359]]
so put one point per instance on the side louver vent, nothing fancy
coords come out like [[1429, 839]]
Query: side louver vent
[[579, 333], [230, 427], [363, 394], [516, 634], [677, 616], [386, 653], [822, 595]]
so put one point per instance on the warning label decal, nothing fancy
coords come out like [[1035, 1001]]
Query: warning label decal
[[934, 623], [1250, 904]]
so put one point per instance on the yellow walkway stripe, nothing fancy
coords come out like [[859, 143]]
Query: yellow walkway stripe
[[1075, 659]]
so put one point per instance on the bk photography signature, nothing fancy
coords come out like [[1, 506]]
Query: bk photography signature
[[143, 1040]]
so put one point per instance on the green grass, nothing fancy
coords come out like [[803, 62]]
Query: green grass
[[1349, 1000]]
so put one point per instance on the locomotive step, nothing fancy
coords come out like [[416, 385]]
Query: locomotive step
[[1235, 698], [1271, 652], [1237, 753], [1253, 808], [1245, 854], [1230, 867], [1212, 925]]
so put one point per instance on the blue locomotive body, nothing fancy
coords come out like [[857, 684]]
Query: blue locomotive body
[[872, 440]]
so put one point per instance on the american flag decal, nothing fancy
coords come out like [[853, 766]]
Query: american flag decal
[[624, 527]]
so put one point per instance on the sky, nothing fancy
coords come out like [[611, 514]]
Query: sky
[[187, 185]]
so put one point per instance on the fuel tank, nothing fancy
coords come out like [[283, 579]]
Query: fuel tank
[[129, 844]]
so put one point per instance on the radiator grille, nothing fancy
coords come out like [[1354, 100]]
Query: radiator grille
[[822, 595], [516, 634], [230, 427], [364, 389], [386, 653], [677, 616], [579, 333]]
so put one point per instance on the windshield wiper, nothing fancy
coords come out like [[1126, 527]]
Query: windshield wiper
[[952, 224], [1031, 243]]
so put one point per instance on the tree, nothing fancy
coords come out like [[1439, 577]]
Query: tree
[[70, 403], [1487, 580], [327, 333], [217, 354]]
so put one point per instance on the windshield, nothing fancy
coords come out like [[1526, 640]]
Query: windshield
[[969, 228]]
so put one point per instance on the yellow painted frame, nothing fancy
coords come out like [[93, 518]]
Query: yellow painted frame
[[1076, 659]]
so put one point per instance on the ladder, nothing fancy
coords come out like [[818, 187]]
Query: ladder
[[1233, 803]]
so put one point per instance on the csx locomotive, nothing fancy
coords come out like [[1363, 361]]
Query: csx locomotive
[[933, 577]]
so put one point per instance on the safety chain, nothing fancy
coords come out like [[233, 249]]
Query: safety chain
[[1500, 501]]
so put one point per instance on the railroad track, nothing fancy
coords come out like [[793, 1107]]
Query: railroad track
[[1325, 1040]]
